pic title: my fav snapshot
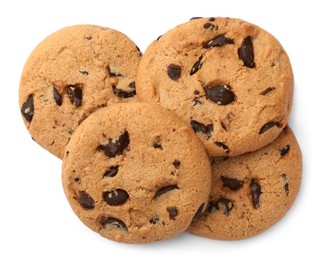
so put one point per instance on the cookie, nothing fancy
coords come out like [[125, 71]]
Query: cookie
[[69, 75], [229, 79], [136, 173], [251, 192]]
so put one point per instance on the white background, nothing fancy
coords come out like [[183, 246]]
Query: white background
[[35, 219]]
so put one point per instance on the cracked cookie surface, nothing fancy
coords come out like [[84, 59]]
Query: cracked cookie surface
[[136, 173], [251, 192], [69, 75], [231, 77]]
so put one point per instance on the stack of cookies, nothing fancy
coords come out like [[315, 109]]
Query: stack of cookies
[[192, 135]]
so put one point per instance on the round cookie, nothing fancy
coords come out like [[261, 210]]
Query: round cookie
[[251, 192], [69, 75], [229, 79], [136, 173]]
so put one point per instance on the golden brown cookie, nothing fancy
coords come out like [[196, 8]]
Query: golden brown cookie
[[136, 173], [230, 80], [69, 75], [251, 192]]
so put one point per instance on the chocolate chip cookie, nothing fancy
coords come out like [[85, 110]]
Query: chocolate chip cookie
[[230, 80], [69, 75], [136, 173], [251, 192]]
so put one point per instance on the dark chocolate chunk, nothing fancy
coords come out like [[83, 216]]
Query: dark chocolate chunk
[[196, 17], [199, 127], [57, 97], [197, 65], [246, 52], [215, 206], [165, 189], [124, 94], [76, 179], [86, 201], [112, 171], [220, 94], [116, 197], [196, 92], [114, 223], [137, 48], [268, 125], [27, 109], [211, 19], [255, 189], [113, 74], [159, 37], [198, 213], [285, 150], [75, 94], [174, 71], [116, 147], [209, 26], [158, 145], [232, 183], [154, 220], [268, 90], [219, 41], [223, 146], [173, 212], [132, 85], [177, 164]]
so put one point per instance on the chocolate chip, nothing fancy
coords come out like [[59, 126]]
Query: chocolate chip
[[268, 90], [195, 18], [196, 92], [112, 171], [177, 164], [285, 150], [88, 37], [255, 189], [232, 183], [199, 212], [197, 101], [114, 223], [220, 94], [214, 206], [113, 74], [116, 197], [173, 212], [199, 127], [219, 41], [137, 48], [114, 148], [57, 97], [124, 94], [132, 85], [83, 72], [209, 26], [197, 65], [76, 179], [211, 19], [286, 189], [158, 145], [154, 220], [174, 71], [268, 125], [286, 185], [75, 94], [86, 201], [246, 53], [165, 189], [28, 108], [223, 146]]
